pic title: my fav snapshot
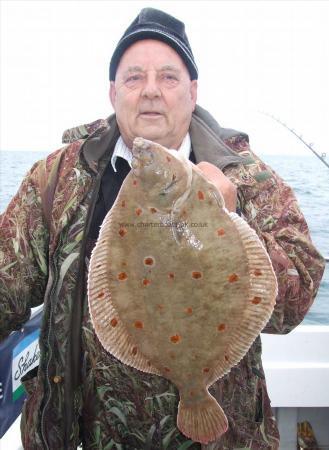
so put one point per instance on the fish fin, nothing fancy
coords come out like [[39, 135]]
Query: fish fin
[[110, 330], [204, 421], [260, 303]]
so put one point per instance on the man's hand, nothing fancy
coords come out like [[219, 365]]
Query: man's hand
[[222, 183]]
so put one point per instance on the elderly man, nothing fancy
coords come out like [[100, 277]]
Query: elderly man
[[80, 394]]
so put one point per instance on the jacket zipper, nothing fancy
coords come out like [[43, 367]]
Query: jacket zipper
[[49, 348], [68, 399]]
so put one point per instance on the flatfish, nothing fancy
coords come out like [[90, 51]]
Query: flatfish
[[178, 286]]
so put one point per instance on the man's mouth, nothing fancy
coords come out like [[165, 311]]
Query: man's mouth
[[150, 114]]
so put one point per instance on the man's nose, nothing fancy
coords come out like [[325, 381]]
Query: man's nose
[[151, 88]]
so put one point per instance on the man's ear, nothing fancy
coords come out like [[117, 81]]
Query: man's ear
[[194, 92], [112, 94]]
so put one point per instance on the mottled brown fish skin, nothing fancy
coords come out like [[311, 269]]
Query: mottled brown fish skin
[[191, 299]]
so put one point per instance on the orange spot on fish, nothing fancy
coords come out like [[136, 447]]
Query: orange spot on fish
[[135, 183], [200, 195], [153, 210], [160, 307], [138, 324], [196, 275], [189, 310], [220, 232], [256, 300], [148, 261], [134, 351], [138, 211], [123, 203], [233, 278], [166, 369], [168, 158], [146, 282], [206, 370], [113, 322], [176, 338], [101, 295], [122, 232], [171, 275], [221, 327], [122, 276], [258, 272]]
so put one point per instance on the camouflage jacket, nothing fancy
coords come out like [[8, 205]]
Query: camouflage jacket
[[81, 394]]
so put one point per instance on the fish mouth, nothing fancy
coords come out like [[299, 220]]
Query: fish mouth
[[142, 156]]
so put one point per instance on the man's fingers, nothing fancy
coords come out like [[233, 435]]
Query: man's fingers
[[222, 183]]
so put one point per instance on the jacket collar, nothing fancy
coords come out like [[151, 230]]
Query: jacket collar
[[207, 136], [101, 143]]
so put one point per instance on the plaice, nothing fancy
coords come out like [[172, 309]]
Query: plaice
[[177, 285]]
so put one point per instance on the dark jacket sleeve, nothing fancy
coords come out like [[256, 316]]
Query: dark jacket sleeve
[[23, 255], [270, 207]]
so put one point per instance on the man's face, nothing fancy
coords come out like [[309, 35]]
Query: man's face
[[152, 95]]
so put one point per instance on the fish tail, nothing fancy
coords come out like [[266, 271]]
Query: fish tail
[[202, 421]]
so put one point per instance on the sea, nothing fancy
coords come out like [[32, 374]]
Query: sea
[[307, 175]]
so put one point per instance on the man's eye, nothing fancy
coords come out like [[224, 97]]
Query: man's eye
[[169, 79], [169, 76], [132, 80]]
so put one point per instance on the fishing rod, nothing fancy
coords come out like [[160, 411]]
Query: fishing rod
[[300, 137]]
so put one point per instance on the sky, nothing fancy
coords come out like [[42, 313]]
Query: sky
[[253, 57]]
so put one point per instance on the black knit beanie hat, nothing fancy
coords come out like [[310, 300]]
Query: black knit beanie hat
[[155, 24]]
